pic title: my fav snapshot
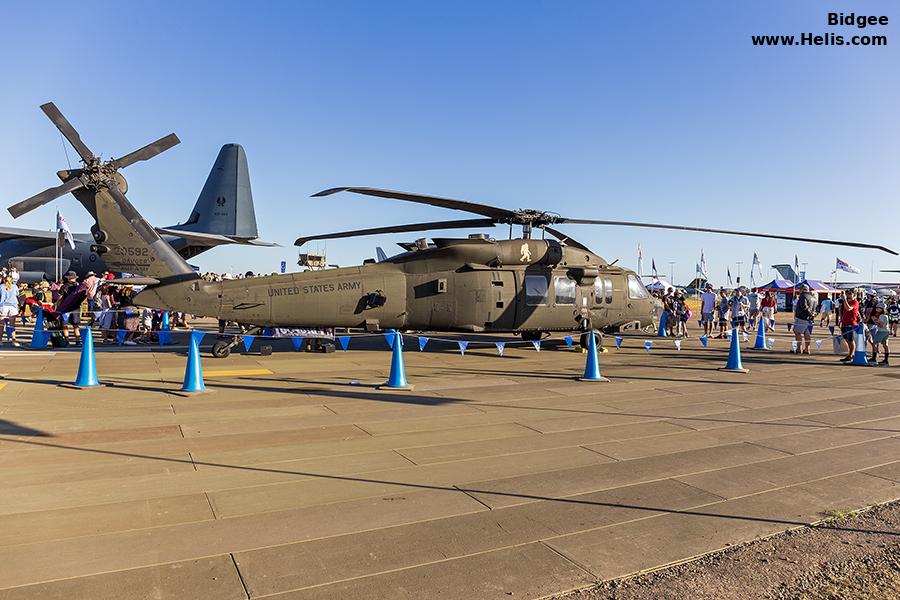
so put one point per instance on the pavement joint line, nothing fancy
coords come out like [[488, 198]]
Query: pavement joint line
[[193, 464], [405, 456], [239, 574], [212, 509], [612, 458], [759, 445], [528, 427], [569, 559], [475, 498], [866, 472]]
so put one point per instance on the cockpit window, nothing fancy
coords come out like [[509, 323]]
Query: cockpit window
[[636, 289], [535, 290]]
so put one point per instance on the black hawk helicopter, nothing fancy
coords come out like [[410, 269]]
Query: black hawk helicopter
[[525, 286]]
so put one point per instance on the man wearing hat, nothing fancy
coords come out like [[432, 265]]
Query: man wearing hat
[[90, 284], [804, 317]]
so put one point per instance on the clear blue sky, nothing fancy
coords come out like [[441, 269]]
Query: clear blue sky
[[656, 111]]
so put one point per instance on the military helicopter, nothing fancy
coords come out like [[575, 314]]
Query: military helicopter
[[522, 285]]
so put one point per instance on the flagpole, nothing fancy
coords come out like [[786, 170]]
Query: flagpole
[[56, 256]]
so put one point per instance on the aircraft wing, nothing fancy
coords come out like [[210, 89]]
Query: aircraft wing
[[36, 235], [212, 239]]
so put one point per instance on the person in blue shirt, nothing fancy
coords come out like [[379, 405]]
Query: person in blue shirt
[[9, 307]]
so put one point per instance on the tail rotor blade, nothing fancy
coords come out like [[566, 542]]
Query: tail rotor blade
[[148, 151], [68, 131], [38, 200]]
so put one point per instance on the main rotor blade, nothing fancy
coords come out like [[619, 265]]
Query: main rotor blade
[[479, 209], [565, 239], [792, 238], [460, 224], [38, 200], [68, 131], [147, 152], [131, 214]]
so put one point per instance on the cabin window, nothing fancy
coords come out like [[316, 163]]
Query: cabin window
[[598, 290], [565, 290], [535, 290], [636, 289], [609, 291]]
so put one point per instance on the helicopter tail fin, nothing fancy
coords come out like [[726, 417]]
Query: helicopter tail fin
[[127, 242]]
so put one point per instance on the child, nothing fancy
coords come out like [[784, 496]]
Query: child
[[880, 333]]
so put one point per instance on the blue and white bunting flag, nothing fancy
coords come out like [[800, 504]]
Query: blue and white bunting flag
[[647, 345], [618, 342], [298, 343], [705, 341], [677, 344], [500, 347], [536, 344], [462, 346], [422, 341], [248, 341], [344, 341], [568, 341]]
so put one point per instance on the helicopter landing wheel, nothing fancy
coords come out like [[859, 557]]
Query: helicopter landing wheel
[[221, 349], [584, 340]]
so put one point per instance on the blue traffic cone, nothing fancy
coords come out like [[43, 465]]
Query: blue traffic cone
[[761, 337], [87, 367], [164, 321], [734, 355], [40, 337], [662, 326], [859, 354], [193, 372], [397, 378], [592, 365]]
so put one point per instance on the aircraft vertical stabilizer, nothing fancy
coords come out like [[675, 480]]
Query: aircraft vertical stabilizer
[[225, 206]]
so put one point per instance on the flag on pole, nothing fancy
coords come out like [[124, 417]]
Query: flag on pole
[[703, 265], [653, 265], [728, 274], [61, 225], [756, 265], [640, 261], [796, 269], [845, 266]]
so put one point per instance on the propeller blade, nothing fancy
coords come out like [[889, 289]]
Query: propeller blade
[[479, 209], [38, 200], [461, 224], [68, 131], [565, 239], [791, 238], [147, 152]]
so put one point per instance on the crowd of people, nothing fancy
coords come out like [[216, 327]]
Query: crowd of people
[[109, 307], [742, 308]]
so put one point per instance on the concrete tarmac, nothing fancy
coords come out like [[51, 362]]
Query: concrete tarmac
[[495, 477]]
